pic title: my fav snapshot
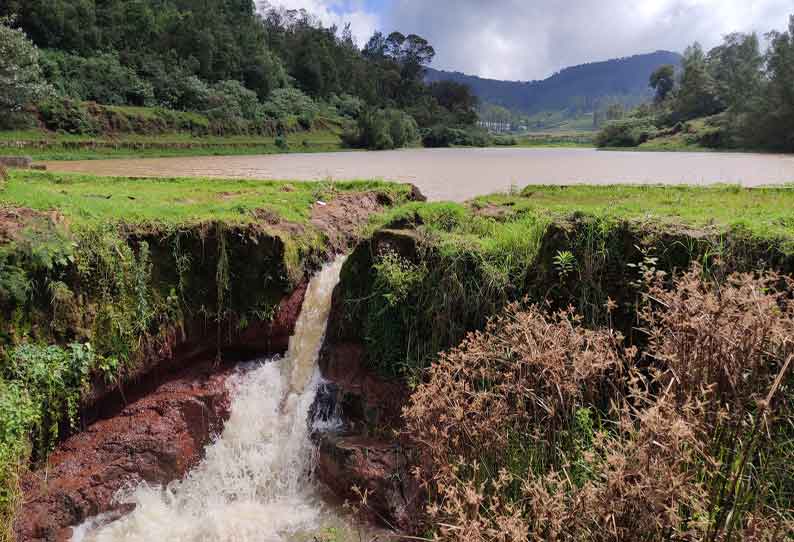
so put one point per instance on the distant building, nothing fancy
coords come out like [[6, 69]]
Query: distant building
[[496, 127]]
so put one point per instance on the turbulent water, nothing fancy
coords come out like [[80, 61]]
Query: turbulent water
[[460, 174], [255, 483]]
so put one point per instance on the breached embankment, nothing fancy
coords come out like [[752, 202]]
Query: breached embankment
[[231, 292], [419, 286]]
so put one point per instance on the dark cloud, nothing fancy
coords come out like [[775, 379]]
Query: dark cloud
[[530, 39]]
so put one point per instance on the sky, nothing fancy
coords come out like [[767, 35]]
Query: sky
[[532, 39]]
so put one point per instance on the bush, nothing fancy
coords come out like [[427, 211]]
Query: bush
[[281, 143], [347, 106], [446, 136], [100, 79], [285, 102], [67, 115], [541, 429], [380, 129], [630, 132], [230, 99], [505, 141], [21, 81]]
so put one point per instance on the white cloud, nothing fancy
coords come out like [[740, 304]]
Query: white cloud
[[362, 23], [531, 39]]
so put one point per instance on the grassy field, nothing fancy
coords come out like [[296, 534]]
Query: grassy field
[[89, 200], [475, 257], [502, 221], [42, 145], [562, 139]]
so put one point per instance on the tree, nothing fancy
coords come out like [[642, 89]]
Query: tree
[[457, 99], [697, 92], [663, 81], [737, 69], [21, 79], [777, 122]]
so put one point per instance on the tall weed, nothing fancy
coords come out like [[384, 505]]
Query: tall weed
[[539, 428]]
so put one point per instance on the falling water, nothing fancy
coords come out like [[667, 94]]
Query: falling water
[[255, 482]]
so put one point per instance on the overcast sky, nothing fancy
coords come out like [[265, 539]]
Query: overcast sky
[[531, 39]]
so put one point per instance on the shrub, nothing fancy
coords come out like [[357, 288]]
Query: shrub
[[380, 129], [541, 429], [281, 143], [347, 105], [21, 79], [101, 79], [231, 99], [446, 136], [626, 133], [67, 115], [284, 102], [505, 141]]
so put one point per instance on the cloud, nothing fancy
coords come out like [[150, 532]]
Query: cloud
[[531, 39], [363, 22]]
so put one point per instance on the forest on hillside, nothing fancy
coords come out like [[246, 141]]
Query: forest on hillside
[[735, 95], [576, 89], [245, 70]]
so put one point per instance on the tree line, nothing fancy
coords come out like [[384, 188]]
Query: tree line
[[745, 96], [241, 66]]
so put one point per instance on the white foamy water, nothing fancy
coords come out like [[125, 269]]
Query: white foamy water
[[255, 482]]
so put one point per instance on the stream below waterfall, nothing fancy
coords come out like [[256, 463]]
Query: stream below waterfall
[[256, 480]]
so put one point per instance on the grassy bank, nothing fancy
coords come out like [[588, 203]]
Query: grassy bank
[[42, 145], [457, 264], [100, 277], [618, 390], [86, 200]]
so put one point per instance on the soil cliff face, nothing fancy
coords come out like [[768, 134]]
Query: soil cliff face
[[153, 424], [373, 453], [155, 439]]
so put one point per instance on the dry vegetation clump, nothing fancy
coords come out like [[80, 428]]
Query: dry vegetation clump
[[541, 429]]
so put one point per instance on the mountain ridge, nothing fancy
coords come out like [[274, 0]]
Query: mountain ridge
[[583, 87]]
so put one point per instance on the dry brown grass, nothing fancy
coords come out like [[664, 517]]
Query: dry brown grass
[[540, 429]]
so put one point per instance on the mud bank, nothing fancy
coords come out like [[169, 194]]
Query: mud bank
[[154, 439], [373, 454], [235, 293]]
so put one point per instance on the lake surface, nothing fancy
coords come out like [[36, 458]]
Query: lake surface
[[460, 174]]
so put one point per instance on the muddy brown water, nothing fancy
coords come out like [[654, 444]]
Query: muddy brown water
[[460, 174]]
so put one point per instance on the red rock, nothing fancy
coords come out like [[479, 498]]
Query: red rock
[[273, 337], [156, 439], [376, 467]]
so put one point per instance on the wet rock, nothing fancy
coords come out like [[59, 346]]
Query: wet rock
[[367, 400], [156, 439], [368, 405], [273, 337], [377, 469]]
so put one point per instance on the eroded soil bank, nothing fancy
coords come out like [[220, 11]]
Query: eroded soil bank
[[243, 292], [406, 288]]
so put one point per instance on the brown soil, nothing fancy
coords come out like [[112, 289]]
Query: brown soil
[[175, 404], [341, 218], [155, 439], [15, 219]]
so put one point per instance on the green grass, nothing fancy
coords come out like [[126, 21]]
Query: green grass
[[766, 212], [85, 199], [59, 146], [470, 259], [574, 140]]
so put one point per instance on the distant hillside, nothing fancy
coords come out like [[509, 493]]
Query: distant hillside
[[582, 88]]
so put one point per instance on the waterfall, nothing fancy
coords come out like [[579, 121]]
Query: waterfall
[[255, 482]]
